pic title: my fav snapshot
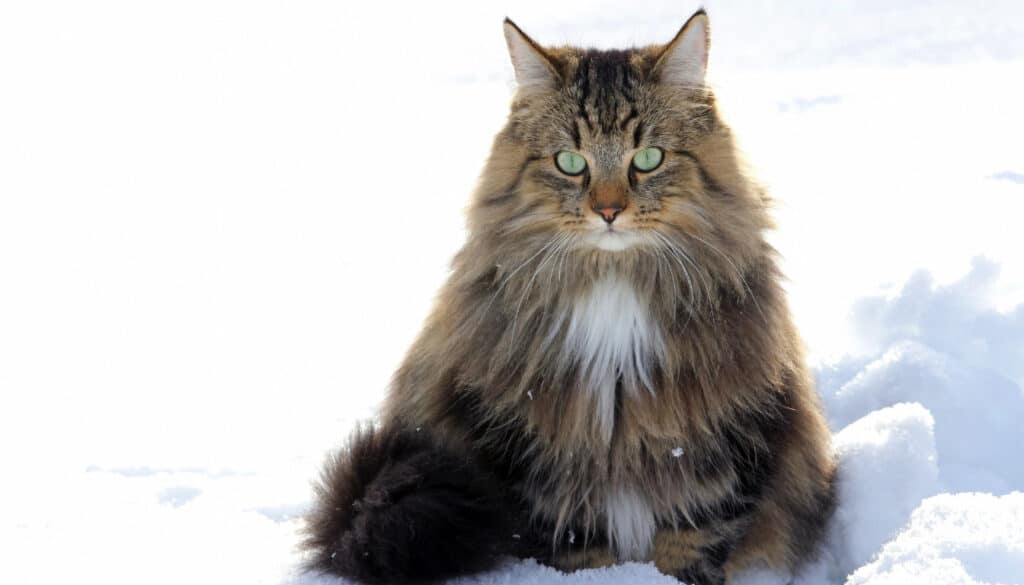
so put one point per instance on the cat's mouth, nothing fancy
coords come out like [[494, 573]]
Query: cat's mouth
[[612, 239]]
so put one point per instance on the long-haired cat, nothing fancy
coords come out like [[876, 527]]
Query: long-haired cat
[[611, 372]]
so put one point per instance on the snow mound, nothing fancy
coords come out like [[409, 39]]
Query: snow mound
[[948, 349], [959, 320], [965, 401], [954, 539], [887, 465], [531, 573]]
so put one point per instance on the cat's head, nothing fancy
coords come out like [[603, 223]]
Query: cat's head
[[619, 153]]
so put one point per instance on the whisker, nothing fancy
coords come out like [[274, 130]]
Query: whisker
[[682, 258], [504, 281], [665, 260], [739, 274], [557, 241], [664, 265], [680, 249]]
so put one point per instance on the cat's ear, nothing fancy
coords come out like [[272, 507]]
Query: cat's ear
[[684, 61], [533, 68]]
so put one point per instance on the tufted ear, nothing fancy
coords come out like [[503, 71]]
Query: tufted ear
[[684, 61], [533, 68]]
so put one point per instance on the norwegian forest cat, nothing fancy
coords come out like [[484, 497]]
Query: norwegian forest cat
[[610, 372]]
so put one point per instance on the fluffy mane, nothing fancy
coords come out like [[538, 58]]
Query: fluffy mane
[[612, 347]]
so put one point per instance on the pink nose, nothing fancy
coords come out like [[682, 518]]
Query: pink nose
[[608, 212]]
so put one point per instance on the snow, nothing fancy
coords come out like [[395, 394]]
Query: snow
[[887, 466], [961, 538], [221, 223]]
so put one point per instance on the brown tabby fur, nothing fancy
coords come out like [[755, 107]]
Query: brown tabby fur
[[489, 373]]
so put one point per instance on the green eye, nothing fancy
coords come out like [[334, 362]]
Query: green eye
[[570, 163], [647, 159]]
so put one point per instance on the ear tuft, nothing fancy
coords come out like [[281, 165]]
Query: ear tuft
[[532, 67], [684, 61]]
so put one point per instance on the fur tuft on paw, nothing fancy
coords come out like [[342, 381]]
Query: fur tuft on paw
[[396, 506]]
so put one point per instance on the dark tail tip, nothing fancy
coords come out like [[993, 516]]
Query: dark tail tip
[[395, 506]]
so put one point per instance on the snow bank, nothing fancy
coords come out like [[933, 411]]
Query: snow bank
[[162, 528], [954, 539], [959, 320], [948, 349], [887, 465], [957, 360], [966, 401], [531, 573]]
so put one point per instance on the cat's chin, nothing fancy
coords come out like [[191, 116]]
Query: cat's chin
[[613, 241]]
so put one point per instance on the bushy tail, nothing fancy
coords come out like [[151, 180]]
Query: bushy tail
[[395, 506]]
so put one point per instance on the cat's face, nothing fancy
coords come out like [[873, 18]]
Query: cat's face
[[619, 155], [609, 135]]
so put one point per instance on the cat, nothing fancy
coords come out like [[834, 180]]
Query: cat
[[611, 372]]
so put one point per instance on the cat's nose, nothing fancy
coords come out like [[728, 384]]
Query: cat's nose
[[608, 199], [608, 212]]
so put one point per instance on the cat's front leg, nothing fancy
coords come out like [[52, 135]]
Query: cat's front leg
[[592, 557], [696, 557]]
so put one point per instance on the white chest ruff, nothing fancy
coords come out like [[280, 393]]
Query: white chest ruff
[[611, 337], [630, 524]]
